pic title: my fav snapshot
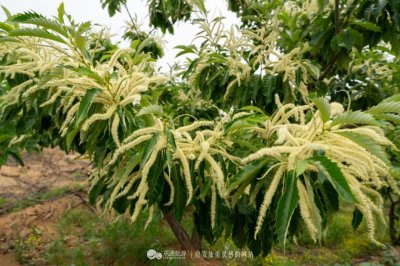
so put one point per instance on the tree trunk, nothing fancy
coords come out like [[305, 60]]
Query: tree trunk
[[191, 244], [394, 235], [196, 239]]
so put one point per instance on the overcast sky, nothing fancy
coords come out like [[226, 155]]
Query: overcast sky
[[84, 10]]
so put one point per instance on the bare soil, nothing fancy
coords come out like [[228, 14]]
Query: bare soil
[[35, 226]]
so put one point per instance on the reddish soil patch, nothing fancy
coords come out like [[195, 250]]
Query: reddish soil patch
[[35, 226]]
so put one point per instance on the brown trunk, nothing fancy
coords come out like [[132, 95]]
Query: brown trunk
[[196, 239], [187, 243], [392, 223]]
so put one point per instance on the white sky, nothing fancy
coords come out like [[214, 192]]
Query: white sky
[[84, 10]]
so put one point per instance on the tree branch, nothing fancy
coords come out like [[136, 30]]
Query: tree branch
[[179, 232]]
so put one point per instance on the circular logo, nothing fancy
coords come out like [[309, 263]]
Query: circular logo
[[152, 254]]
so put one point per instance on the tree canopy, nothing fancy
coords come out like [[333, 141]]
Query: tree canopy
[[265, 130]]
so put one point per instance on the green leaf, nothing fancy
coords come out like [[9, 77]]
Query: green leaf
[[180, 195], [357, 219], [385, 107], [324, 108], [6, 11], [356, 117], [89, 73], [389, 117], [80, 42], [286, 206], [95, 191], [40, 33], [367, 25], [61, 12], [5, 26], [347, 38], [151, 109], [149, 148], [155, 180], [47, 24], [335, 176], [85, 104], [22, 17], [367, 143], [246, 173], [301, 166]]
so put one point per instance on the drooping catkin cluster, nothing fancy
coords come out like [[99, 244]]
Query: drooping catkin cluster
[[298, 140], [63, 75], [199, 142]]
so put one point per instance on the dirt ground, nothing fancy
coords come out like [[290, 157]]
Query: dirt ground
[[35, 222]]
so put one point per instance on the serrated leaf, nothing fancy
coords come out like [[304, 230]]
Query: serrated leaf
[[385, 107], [40, 33], [357, 219], [356, 117], [324, 108], [286, 206], [47, 24], [5, 26], [84, 106], [335, 176], [347, 38], [151, 109], [155, 180], [149, 148], [95, 191], [60, 12], [367, 25], [246, 173], [368, 144], [89, 73], [180, 195], [389, 117], [170, 139], [22, 17], [80, 42], [252, 108], [301, 166]]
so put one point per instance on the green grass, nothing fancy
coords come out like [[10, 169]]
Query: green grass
[[86, 239], [3, 202]]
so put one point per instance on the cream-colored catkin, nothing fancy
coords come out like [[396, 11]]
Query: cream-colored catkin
[[70, 116], [205, 146], [305, 211], [128, 146], [114, 130], [52, 99], [140, 202], [150, 218], [268, 198], [269, 151], [96, 117], [213, 206], [186, 173], [219, 175], [167, 178], [161, 144], [140, 132], [194, 126], [128, 187]]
